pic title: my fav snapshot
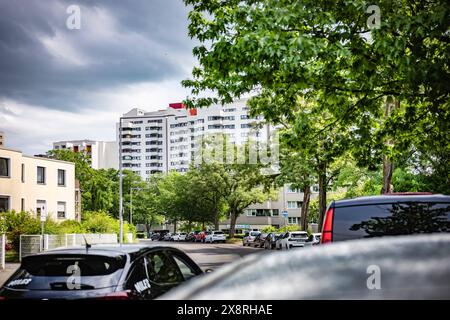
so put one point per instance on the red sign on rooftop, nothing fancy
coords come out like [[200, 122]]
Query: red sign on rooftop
[[177, 105]]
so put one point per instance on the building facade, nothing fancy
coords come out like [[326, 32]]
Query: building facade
[[2, 139], [37, 185], [102, 154], [270, 213], [165, 140]]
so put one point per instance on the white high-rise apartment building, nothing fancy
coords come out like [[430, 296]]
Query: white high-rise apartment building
[[102, 154], [165, 140]]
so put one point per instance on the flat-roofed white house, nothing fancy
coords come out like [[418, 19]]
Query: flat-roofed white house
[[37, 185]]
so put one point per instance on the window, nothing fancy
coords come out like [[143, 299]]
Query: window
[[4, 167], [23, 172], [293, 220], [41, 175], [61, 178], [294, 204], [162, 270], [185, 269], [61, 210], [4, 203]]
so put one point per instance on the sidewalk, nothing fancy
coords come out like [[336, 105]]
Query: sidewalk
[[8, 271]]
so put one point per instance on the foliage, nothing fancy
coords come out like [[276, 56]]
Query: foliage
[[315, 68], [13, 224]]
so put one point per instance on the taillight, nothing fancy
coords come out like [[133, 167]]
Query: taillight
[[327, 229], [120, 295]]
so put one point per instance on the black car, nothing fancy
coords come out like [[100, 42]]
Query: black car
[[387, 215], [259, 240], [100, 272], [270, 240]]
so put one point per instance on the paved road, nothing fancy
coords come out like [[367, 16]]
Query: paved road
[[209, 256]]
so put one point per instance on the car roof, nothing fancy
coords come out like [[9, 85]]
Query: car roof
[[109, 250], [391, 199], [344, 270]]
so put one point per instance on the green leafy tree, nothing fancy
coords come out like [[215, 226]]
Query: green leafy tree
[[322, 55]]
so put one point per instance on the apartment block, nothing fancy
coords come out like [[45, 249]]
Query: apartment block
[[102, 154], [37, 185], [165, 140]]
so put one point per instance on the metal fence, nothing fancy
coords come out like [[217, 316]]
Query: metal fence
[[31, 244], [2, 251]]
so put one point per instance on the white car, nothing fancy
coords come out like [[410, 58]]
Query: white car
[[249, 238], [179, 236], [215, 236], [293, 239]]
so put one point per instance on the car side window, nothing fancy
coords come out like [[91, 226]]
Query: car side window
[[184, 267], [161, 269]]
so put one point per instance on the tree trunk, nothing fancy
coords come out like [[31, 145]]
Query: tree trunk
[[232, 224], [175, 226], [388, 167], [322, 194], [216, 221], [305, 208]]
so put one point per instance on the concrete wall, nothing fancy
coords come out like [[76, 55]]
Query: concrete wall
[[31, 191]]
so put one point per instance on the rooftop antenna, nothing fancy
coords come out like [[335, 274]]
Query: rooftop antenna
[[87, 245]]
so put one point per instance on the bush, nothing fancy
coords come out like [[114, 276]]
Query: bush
[[268, 229], [13, 224], [99, 222], [71, 226]]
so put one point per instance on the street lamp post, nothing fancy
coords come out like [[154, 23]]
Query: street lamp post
[[120, 185]]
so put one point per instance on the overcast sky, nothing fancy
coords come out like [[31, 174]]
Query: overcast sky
[[62, 84]]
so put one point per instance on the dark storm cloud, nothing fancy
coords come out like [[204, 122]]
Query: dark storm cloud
[[120, 43]]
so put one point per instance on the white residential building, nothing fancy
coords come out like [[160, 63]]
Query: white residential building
[[102, 154], [165, 140]]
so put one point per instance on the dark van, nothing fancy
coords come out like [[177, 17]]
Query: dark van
[[387, 215]]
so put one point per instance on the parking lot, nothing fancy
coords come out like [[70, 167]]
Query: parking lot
[[206, 255]]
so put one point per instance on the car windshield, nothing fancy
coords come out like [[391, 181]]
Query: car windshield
[[67, 272], [254, 233], [299, 235]]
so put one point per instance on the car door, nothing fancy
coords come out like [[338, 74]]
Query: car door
[[163, 272], [137, 281]]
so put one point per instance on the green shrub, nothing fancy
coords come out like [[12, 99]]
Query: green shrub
[[13, 224], [71, 226], [268, 229], [289, 228], [99, 222]]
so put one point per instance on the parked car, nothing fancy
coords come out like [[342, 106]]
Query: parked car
[[167, 237], [179, 236], [294, 239], [198, 236], [412, 267], [215, 236], [259, 240], [106, 272], [271, 239], [313, 239], [249, 237], [190, 236], [203, 235], [387, 215]]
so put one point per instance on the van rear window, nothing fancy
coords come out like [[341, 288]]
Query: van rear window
[[378, 220]]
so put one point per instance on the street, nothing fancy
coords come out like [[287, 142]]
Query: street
[[206, 255]]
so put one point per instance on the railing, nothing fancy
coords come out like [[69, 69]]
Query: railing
[[31, 244], [2, 251]]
